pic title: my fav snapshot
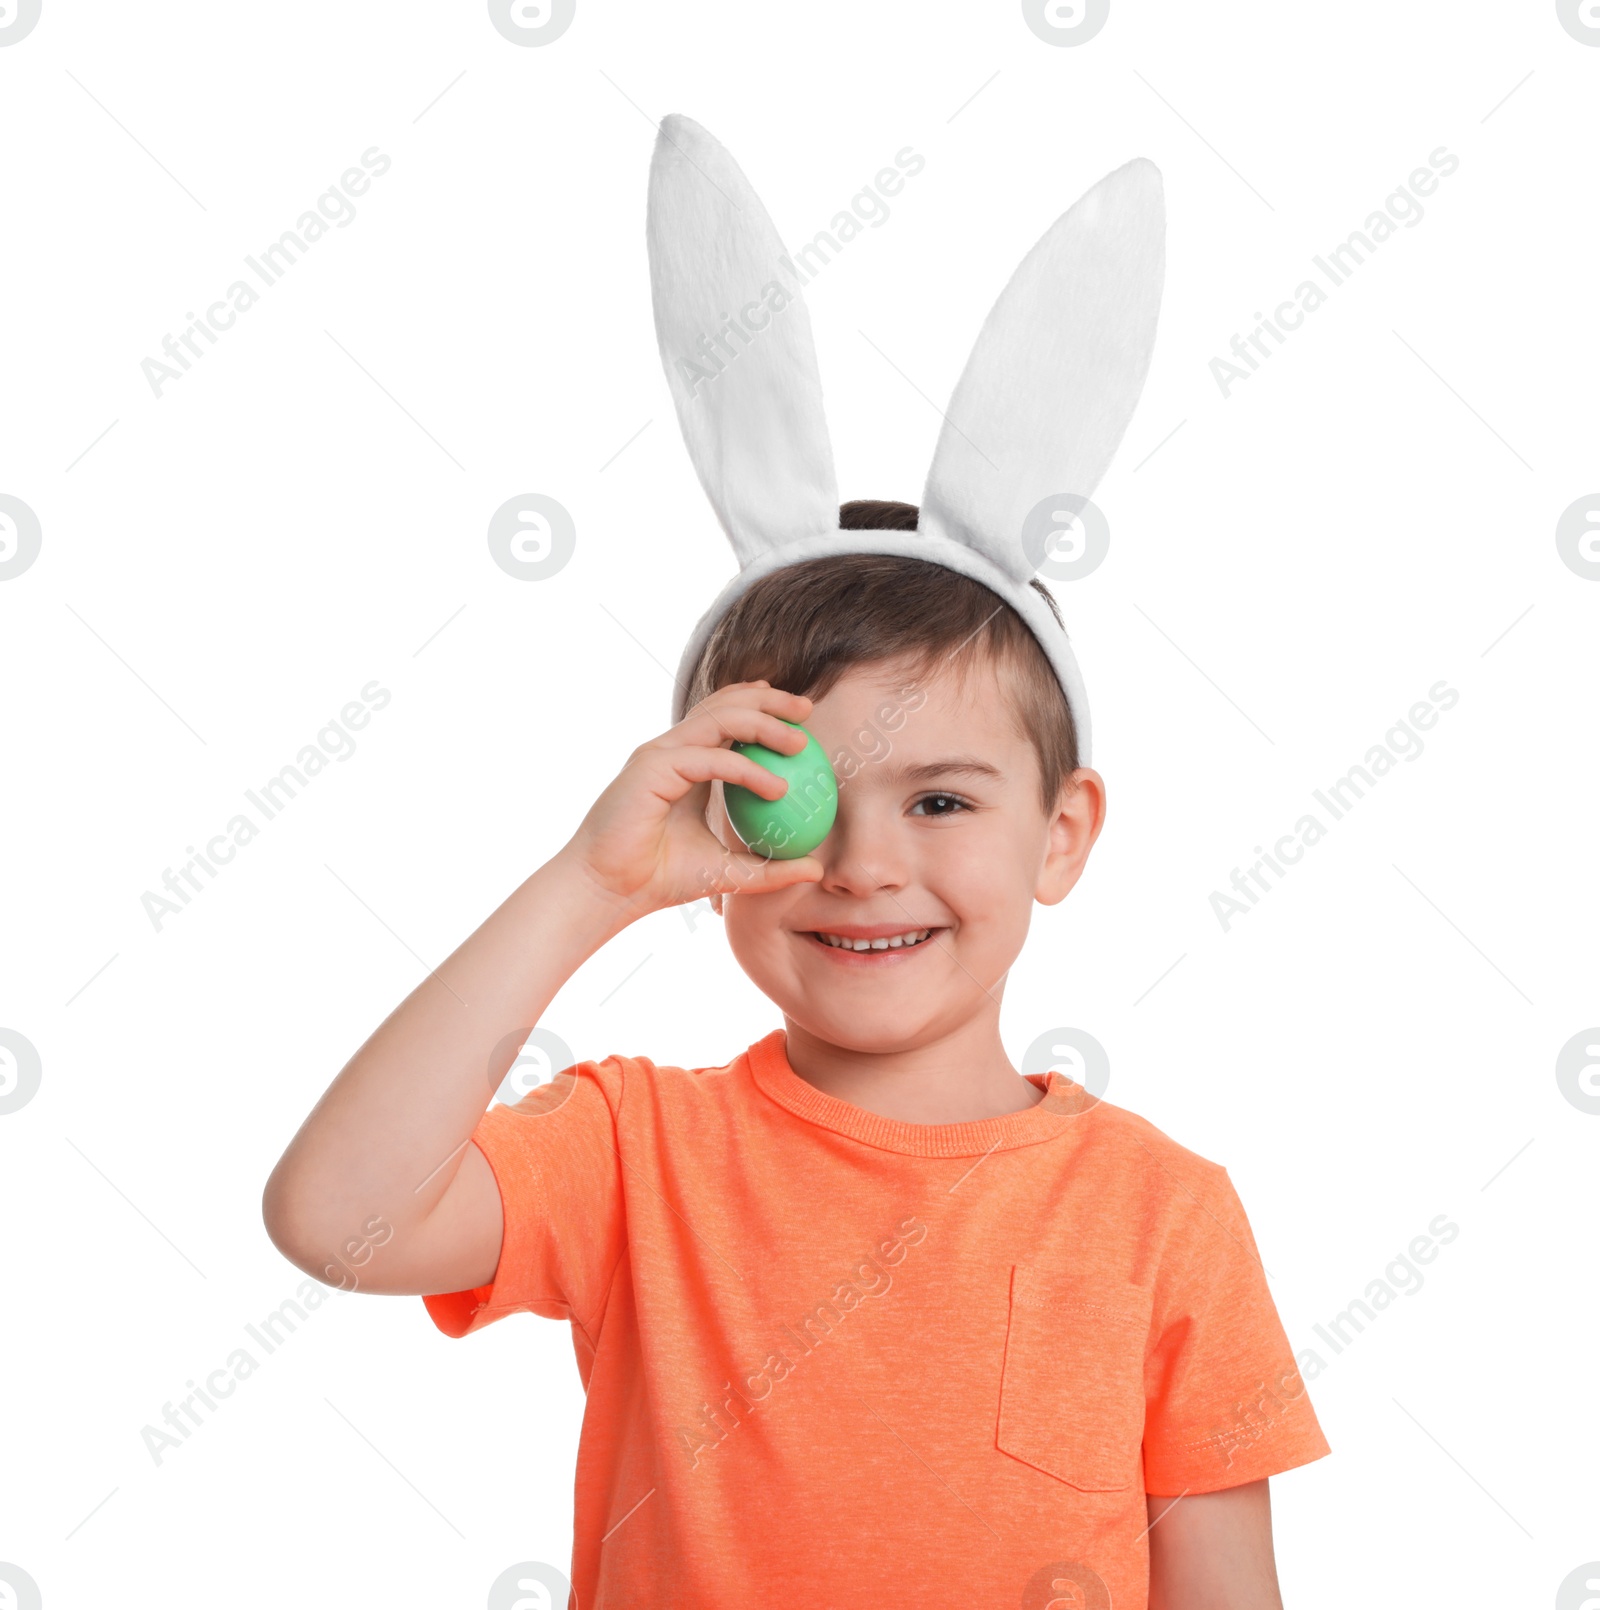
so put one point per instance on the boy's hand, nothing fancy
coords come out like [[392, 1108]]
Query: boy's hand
[[645, 842], [407, 1103]]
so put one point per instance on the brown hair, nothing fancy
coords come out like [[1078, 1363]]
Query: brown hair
[[804, 626]]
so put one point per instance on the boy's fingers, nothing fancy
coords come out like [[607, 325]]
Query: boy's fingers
[[757, 874], [740, 872], [736, 723], [681, 769], [759, 696]]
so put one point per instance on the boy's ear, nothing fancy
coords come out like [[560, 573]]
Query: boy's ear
[[1079, 815]]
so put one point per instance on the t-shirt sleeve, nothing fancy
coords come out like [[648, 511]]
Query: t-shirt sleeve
[[1224, 1400], [556, 1163]]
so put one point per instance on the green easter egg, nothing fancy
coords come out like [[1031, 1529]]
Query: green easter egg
[[796, 822]]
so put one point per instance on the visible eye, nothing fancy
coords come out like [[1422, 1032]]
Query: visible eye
[[953, 800]]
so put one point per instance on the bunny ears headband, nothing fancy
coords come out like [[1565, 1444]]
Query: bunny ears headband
[[1037, 414]]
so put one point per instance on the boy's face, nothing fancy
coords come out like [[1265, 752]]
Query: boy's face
[[918, 844]]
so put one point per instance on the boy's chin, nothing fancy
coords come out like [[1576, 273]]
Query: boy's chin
[[872, 1031]]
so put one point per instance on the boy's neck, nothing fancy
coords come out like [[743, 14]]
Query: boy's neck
[[959, 1078]]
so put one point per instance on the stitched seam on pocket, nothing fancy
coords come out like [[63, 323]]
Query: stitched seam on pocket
[[1126, 1316]]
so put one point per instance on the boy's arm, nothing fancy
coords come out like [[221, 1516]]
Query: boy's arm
[[384, 1160], [389, 1138], [1213, 1551]]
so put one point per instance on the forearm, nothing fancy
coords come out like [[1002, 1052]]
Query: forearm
[[389, 1133], [1213, 1551]]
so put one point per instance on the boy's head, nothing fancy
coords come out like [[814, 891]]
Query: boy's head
[[911, 666]]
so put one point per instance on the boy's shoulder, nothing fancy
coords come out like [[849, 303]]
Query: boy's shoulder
[[1146, 1170], [1132, 1132], [640, 1080]]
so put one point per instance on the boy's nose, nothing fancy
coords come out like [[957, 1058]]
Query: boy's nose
[[863, 853]]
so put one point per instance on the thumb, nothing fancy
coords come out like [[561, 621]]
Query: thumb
[[757, 874]]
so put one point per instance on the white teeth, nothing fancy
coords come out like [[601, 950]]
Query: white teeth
[[912, 937]]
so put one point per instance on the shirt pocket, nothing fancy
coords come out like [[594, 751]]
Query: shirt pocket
[[1072, 1382]]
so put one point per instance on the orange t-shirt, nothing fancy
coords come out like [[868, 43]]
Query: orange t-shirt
[[845, 1360]]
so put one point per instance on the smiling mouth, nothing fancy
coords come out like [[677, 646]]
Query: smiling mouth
[[890, 945]]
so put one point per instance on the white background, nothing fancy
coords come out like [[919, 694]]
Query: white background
[[1291, 568]]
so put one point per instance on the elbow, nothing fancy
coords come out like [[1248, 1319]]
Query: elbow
[[298, 1220], [283, 1218]]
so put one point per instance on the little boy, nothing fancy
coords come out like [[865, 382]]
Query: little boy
[[864, 1316]]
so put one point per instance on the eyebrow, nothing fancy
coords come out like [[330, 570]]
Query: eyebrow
[[953, 766]]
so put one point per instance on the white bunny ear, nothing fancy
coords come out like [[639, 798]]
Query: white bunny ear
[[1055, 373], [736, 344]]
